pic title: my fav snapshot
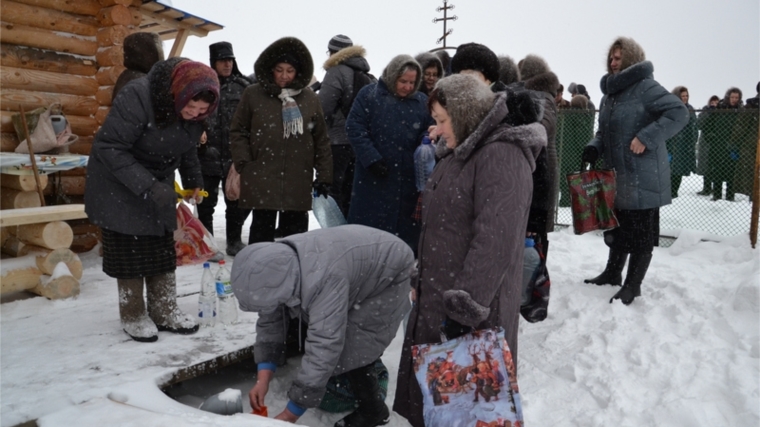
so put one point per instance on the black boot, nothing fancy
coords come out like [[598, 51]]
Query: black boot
[[637, 269], [372, 410], [613, 273]]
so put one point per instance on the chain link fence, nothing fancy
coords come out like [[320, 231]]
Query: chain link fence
[[712, 164]]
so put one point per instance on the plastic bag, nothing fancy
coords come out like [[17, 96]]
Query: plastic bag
[[192, 242], [468, 381], [42, 130], [326, 211], [592, 196]]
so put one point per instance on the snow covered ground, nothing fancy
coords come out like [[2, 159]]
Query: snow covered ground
[[687, 353]]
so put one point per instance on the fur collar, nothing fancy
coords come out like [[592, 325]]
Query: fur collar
[[161, 98], [614, 83], [544, 82], [342, 55]]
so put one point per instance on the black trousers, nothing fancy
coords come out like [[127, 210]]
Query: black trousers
[[344, 161], [263, 226], [234, 215]]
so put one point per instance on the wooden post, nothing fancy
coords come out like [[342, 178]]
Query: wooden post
[[31, 156], [179, 43], [755, 197]]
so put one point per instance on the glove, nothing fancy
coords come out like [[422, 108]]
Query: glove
[[522, 109], [321, 189], [162, 194], [379, 169], [452, 329], [590, 154]]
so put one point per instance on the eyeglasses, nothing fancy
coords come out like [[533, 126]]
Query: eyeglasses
[[431, 75]]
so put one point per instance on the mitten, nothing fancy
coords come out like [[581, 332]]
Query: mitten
[[379, 169], [321, 189], [162, 194], [590, 154]]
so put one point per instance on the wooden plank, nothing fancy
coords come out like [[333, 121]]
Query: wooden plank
[[81, 7], [179, 43], [11, 99], [47, 19], [34, 37], [41, 214], [52, 235], [35, 59], [46, 81]]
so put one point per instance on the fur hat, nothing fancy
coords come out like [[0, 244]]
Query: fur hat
[[508, 71], [467, 101], [396, 67], [142, 50], [223, 50], [532, 66], [579, 101], [632, 53], [189, 78], [474, 56], [339, 42], [572, 88]]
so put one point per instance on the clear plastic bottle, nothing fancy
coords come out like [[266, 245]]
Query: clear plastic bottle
[[326, 211], [228, 308], [531, 262], [424, 162], [207, 298]]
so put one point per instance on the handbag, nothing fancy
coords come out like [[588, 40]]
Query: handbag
[[232, 184], [192, 242], [592, 197], [468, 381], [48, 128], [535, 305]]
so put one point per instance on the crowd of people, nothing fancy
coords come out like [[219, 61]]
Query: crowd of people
[[455, 249]]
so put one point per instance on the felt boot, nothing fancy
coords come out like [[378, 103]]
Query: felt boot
[[372, 410], [637, 269], [162, 305], [613, 273], [134, 318]]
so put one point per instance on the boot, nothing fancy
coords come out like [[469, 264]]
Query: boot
[[134, 318], [162, 305], [637, 269], [233, 247], [372, 410], [613, 273]]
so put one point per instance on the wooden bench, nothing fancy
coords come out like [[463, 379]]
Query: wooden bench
[[40, 240]]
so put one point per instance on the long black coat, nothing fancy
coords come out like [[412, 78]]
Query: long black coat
[[215, 154], [131, 151]]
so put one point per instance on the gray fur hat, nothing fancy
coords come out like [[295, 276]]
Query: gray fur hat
[[508, 72], [396, 68], [631, 51], [467, 101], [531, 66], [475, 56]]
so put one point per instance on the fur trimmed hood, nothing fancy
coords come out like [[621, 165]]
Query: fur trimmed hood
[[160, 78], [290, 46], [427, 60], [467, 100], [142, 51], [614, 83], [544, 82], [343, 55], [395, 68], [631, 51], [725, 102], [531, 66], [508, 71]]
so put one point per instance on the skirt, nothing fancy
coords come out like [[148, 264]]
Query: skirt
[[131, 257], [638, 232]]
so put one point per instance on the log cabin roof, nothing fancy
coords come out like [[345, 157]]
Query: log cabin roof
[[168, 21]]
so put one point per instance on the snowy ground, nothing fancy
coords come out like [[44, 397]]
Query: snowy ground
[[685, 354]]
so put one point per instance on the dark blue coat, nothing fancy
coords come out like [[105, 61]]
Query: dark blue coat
[[383, 126]]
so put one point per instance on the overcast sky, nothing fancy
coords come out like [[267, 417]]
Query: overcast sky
[[706, 45]]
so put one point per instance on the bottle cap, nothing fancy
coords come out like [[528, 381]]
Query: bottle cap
[[529, 243], [426, 139], [221, 262]]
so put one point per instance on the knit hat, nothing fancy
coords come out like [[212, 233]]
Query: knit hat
[[474, 56], [189, 78], [467, 100], [339, 42]]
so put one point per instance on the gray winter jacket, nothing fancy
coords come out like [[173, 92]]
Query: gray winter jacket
[[635, 105], [349, 283], [337, 89]]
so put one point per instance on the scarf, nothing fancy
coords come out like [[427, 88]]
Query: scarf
[[292, 122], [189, 78]]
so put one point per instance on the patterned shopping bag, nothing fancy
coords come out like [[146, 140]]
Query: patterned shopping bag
[[592, 196], [469, 381]]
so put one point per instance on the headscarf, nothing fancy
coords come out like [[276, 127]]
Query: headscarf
[[189, 78]]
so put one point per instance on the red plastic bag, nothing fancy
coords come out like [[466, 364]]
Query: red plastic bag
[[193, 243], [592, 196]]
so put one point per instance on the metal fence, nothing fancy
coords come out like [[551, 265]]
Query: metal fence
[[712, 169]]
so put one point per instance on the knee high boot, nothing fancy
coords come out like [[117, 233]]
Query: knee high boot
[[613, 273], [162, 305], [134, 318], [637, 269], [372, 410]]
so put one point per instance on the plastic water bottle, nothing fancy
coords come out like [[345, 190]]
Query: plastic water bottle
[[207, 298], [326, 211], [424, 162], [228, 309], [531, 262]]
